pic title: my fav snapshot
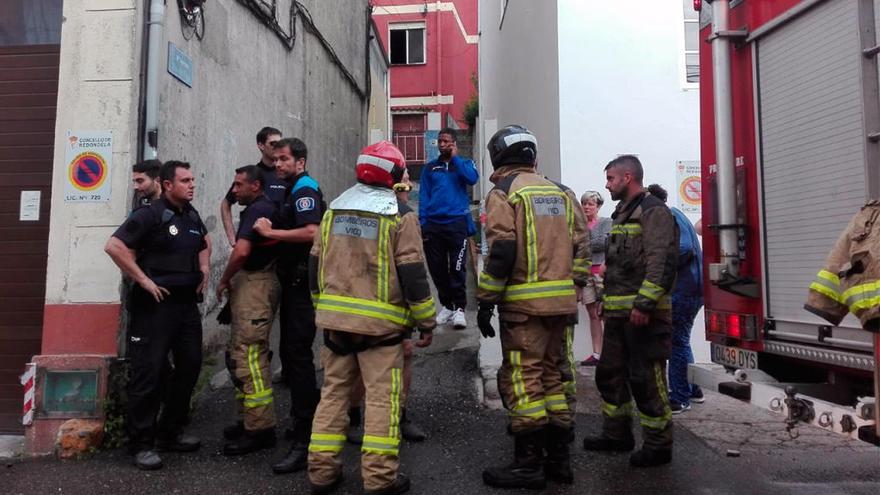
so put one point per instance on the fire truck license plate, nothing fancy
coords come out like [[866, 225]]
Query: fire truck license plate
[[734, 357]]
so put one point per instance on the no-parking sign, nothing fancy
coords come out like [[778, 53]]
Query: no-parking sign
[[690, 190], [89, 156]]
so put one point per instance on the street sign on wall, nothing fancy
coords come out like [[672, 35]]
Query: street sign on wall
[[89, 157], [180, 65], [690, 191]]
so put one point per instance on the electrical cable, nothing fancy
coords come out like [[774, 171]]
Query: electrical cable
[[266, 13]]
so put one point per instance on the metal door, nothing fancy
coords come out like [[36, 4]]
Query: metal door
[[28, 87], [813, 157]]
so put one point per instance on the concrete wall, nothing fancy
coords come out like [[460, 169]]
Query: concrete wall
[[98, 90], [244, 77], [519, 76]]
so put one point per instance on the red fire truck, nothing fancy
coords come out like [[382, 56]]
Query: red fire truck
[[790, 136]]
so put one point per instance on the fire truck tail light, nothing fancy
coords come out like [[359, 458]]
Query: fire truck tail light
[[733, 328], [715, 323], [734, 325], [698, 4]]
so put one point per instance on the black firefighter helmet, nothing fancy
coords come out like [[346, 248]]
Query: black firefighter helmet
[[513, 145]]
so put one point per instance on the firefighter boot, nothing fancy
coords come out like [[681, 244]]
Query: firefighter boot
[[557, 464], [251, 441], [526, 470], [616, 436], [234, 432], [650, 458]]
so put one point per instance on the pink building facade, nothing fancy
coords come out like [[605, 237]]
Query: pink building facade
[[433, 51]]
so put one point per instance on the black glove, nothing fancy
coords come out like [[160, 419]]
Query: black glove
[[484, 320], [225, 315]]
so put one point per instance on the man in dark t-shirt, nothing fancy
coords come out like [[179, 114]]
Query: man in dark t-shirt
[[253, 295], [165, 250], [273, 187], [295, 228]]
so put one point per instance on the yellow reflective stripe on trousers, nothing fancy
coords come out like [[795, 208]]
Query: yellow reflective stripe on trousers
[[423, 310], [627, 228], [537, 290], [651, 290], [394, 420], [863, 296], [490, 283], [620, 411], [365, 307], [660, 422], [556, 402], [380, 445], [254, 367], [259, 399], [326, 442], [519, 387], [326, 223], [570, 386], [535, 409]]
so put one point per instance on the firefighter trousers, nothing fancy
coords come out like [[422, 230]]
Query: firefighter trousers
[[380, 367], [633, 366], [253, 299], [530, 380]]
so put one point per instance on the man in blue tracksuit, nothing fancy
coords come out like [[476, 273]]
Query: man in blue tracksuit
[[446, 225], [687, 299]]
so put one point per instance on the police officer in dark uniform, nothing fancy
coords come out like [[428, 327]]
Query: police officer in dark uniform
[[166, 250], [295, 227], [274, 188]]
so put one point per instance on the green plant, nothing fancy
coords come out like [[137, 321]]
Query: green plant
[[115, 434], [472, 107]]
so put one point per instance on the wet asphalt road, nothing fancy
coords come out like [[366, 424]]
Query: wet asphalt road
[[463, 439]]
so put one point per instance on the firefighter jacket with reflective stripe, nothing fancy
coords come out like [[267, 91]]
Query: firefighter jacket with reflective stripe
[[537, 249], [850, 280], [367, 273], [642, 259]]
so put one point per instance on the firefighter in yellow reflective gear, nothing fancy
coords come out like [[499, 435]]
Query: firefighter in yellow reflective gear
[[369, 282], [250, 278], [538, 261], [641, 263], [850, 279]]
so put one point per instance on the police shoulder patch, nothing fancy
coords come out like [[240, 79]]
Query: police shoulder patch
[[305, 204]]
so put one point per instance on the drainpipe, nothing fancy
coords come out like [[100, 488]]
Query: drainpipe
[[151, 100], [728, 267]]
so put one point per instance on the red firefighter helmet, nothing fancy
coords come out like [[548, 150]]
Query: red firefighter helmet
[[380, 164]]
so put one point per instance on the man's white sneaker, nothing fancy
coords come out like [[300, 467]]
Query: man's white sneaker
[[458, 321], [444, 315]]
